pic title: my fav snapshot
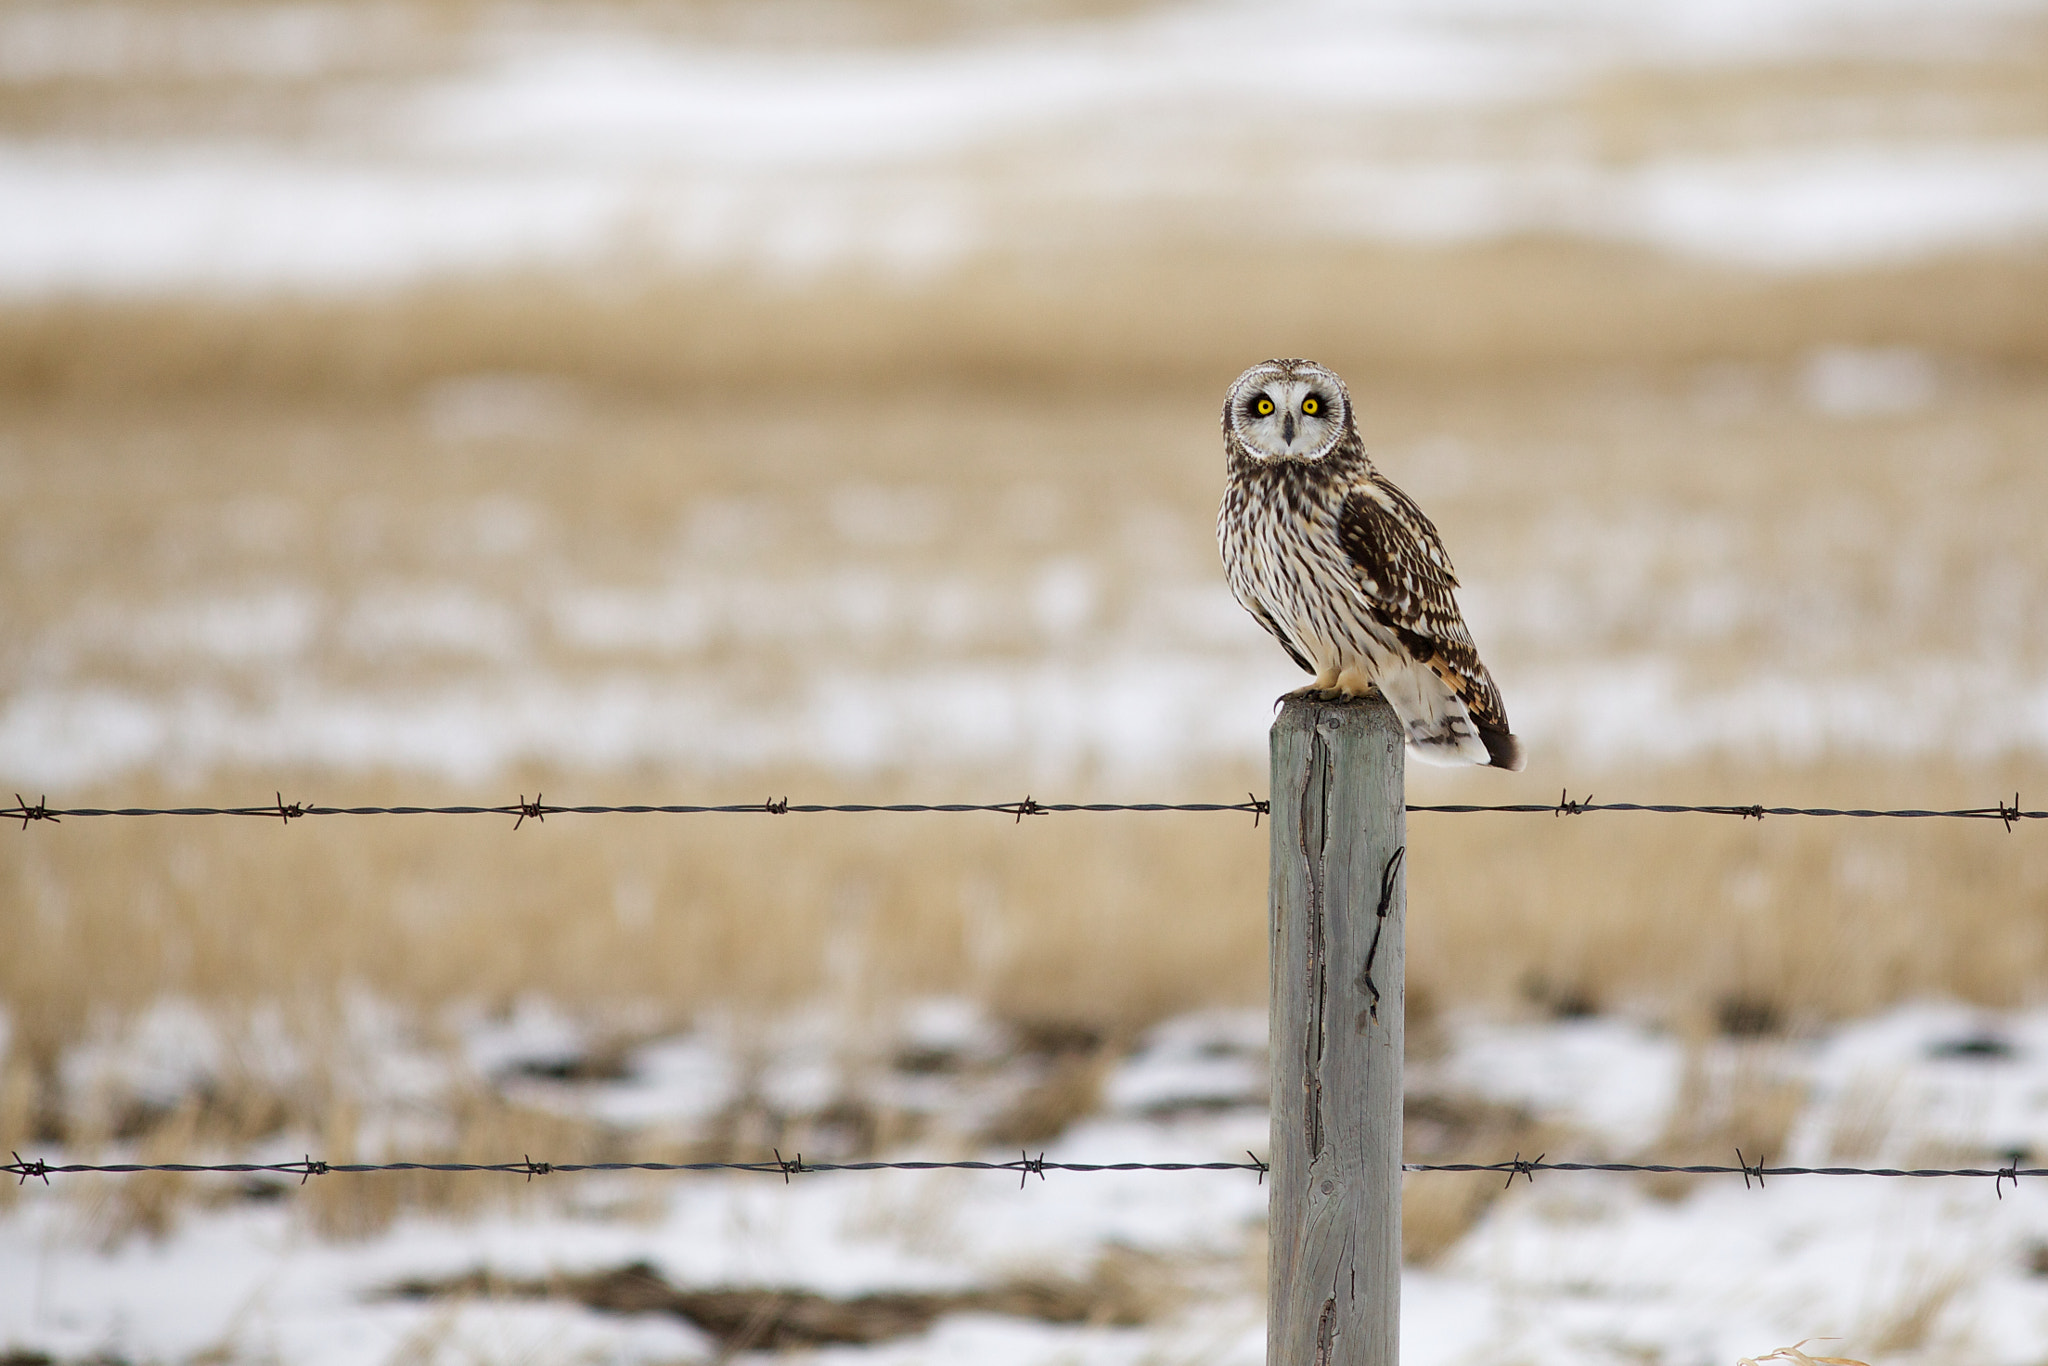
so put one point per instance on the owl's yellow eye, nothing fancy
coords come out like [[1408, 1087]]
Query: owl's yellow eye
[[1311, 406], [1264, 407]]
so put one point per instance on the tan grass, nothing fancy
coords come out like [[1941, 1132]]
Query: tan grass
[[170, 452], [1095, 321], [1439, 1208], [744, 911], [1109, 921], [485, 1128], [1112, 921], [1707, 922], [1908, 1324], [1729, 1108], [1862, 1120]]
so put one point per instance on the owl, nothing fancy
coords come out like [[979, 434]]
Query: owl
[[1344, 569]]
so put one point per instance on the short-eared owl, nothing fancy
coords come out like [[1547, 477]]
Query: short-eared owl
[[1344, 569]]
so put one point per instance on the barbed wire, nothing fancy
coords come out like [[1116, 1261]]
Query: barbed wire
[[279, 809], [1748, 1171], [308, 1167], [1566, 805], [1022, 1166]]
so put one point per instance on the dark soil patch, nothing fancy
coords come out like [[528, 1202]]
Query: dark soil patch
[[767, 1319]]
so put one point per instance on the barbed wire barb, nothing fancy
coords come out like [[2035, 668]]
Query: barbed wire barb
[[38, 812], [532, 808]]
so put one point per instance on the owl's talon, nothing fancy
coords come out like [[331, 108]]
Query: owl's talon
[[1330, 696]]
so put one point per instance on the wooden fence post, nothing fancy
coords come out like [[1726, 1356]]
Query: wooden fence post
[[1338, 902]]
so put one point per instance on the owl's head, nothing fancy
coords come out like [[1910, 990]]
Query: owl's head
[[1288, 410]]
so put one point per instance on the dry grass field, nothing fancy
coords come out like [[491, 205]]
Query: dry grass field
[[631, 534], [135, 507]]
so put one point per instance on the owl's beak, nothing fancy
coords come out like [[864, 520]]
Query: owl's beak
[[1287, 429]]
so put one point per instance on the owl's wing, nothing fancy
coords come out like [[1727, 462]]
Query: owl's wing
[[1402, 567]]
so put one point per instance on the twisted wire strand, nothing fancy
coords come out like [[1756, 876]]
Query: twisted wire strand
[[1025, 1165], [28, 813]]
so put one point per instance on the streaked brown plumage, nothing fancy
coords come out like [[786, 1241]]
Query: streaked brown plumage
[[1344, 570]]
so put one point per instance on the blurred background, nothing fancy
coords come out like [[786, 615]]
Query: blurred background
[[447, 400]]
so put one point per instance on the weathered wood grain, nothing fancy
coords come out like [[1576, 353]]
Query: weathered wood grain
[[1338, 901]]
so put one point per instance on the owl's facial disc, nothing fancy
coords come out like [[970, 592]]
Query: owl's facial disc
[[1287, 416]]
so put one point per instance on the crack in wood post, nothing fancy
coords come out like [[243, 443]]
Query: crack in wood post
[[1314, 852]]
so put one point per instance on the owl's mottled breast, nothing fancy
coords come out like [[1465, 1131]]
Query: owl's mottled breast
[[1278, 534]]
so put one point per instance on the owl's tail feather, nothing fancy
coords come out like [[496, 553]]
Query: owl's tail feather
[[1504, 750], [1441, 730]]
